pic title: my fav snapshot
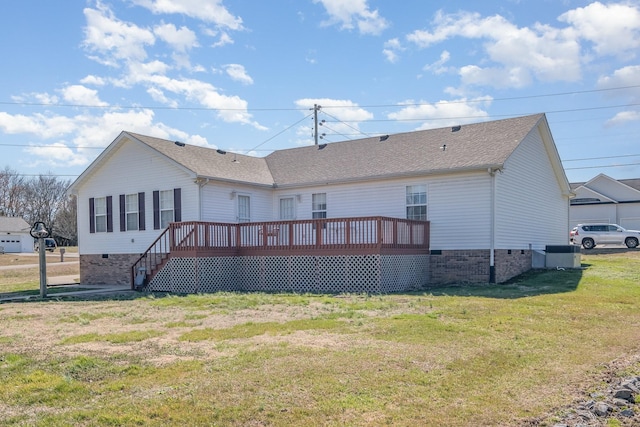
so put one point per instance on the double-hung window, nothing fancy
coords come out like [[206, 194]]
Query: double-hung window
[[416, 202], [319, 205], [132, 211], [100, 213], [166, 208]]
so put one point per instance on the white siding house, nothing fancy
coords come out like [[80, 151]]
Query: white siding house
[[604, 199], [14, 235], [492, 192]]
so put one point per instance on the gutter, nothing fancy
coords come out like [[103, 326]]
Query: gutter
[[482, 168]]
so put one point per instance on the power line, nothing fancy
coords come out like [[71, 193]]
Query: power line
[[162, 107], [601, 158], [346, 124], [324, 135], [603, 166], [279, 133]]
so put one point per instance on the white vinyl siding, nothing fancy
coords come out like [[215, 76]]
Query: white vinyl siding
[[530, 208], [220, 202], [593, 213], [460, 212], [132, 169], [613, 189], [458, 206]]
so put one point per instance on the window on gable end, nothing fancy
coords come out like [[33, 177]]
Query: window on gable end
[[100, 214], [129, 212]]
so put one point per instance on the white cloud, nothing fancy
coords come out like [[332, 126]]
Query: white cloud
[[623, 77], [438, 67], [36, 97], [354, 13], [624, 117], [229, 108], [56, 154], [159, 96], [79, 136], [206, 10], [238, 73], [93, 80], [41, 125], [543, 52], [627, 78], [81, 95], [614, 29], [391, 49], [182, 39], [515, 77], [114, 40], [443, 113], [223, 37]]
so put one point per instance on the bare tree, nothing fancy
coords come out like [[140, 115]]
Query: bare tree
[[67, 222], [13, 189], [45, 195], [42, 198]]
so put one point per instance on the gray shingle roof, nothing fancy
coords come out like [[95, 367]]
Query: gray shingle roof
[[208, 163], [633, 183], [472, 147], [13, 224]]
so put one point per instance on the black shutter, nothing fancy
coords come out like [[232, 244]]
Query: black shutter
[[123, 216], [109, 214], [177, 204], [140, 211], [156, 210], [92, 215]]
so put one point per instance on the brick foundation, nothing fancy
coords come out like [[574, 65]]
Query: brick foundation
[[110, 269], [510, 263], [472, 266], [462, 266], [444, 267]]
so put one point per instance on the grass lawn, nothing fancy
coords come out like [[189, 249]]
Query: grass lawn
[[494, 355], [19, 273]]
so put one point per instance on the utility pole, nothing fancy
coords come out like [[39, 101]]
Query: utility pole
[[316, 108]]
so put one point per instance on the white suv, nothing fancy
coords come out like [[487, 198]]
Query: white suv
[[590, 235]]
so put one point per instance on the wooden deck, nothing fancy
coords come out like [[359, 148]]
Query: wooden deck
[[335, 236]]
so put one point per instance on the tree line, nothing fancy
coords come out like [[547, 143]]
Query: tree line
[[40, 198]]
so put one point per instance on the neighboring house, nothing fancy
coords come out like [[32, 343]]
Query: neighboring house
[[14, 235], [604, 199], [492, 192]]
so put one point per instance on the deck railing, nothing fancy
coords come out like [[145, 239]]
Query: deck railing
[[360, 235]]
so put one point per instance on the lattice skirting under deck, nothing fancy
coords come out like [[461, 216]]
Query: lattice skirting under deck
[[316, 274]]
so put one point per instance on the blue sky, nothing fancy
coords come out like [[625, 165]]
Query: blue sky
[[242, 75]]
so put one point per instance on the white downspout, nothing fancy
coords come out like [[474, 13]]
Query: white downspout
[[201, 183], [492, 228]]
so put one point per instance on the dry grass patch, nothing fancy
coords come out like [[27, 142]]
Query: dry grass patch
[[506, 354]]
